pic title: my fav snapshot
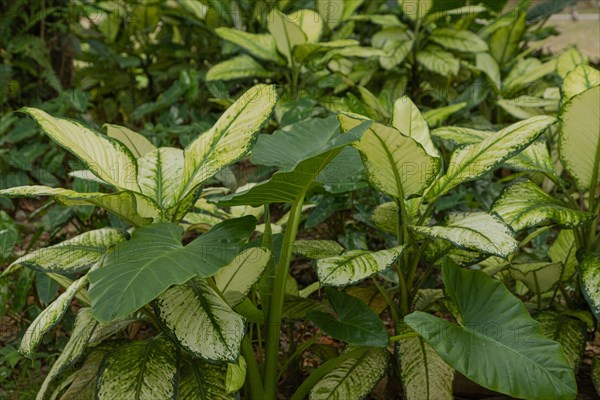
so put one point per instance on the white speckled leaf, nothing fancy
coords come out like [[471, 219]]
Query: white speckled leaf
[[355, 265], [236, 279], [200, 320], [571, 333], [141, 370], [409, 121], [73, 255], [48, 319], [199, 380], [317, 249], [578, 80], [83, 386], [354, 378], [535, 157], [82, 330], [228, 140], [138, 145], [385, 217], [590, 282], [395, 164], [539, 277], [259, 45], [126, 205], [525, 205], [425, 376], [471, 162], [107, 158], [159, 175], [239, 67], [579, 139], [474, 231]]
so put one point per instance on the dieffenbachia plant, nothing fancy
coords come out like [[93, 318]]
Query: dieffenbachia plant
[[489, 336], [186, 291]]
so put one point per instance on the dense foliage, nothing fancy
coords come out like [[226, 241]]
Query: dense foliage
[[298, 199]]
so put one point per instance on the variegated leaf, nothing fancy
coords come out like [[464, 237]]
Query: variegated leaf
[[355, 265], [310, 22], [159, 175], [48, 318], [259, 45], [425, 376], [385, 217], [535, 157], [437, 60], [409, 121], [354, 378], [539, 277], [590, 282], [201, 321], [227, 141], [395, 164], [564, 250], [83, 386], [471, 162], [144, 370], [138, 145], [579, 140], [461, 40], [571, 333], [578, 80], [236, 279], [317, 249], [82, 330], [73, 255], [236, 375], [239, 67], [107, 158], [286, 33], [477, 231], [136, 210], [200, 380], [568, 61], [525, 205]]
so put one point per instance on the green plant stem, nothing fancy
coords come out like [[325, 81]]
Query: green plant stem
[[302, 392], [276, 309], [390, 302], [301, 349], [252, 370], [397, 338], [533, 235], [415, 263]]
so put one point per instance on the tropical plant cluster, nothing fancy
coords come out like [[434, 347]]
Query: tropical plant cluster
[[328, 199]]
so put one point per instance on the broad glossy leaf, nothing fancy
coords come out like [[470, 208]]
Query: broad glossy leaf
[[590, 282], [159, 175], [579, 140], [136, 210], [354, 378], [48, 318], [580, 79], [317, 249], [259, 45], [571, 333], [310, 22], [539, 277], [535, 157], [107, 158], [568, 61], [139, 270], [355, 266], [228, 140], [201, 321], [395, 164], [425, 376], [138, 144], [524, 205], [82, 331], [286, 33], [439, 61], [354, 323], [409, 121], [73, 255], [287, 185], [140, 370], [199, 380], [236, 279], [477, 231], [497, 345], [239, 67], [461, 40], [473, 161]]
